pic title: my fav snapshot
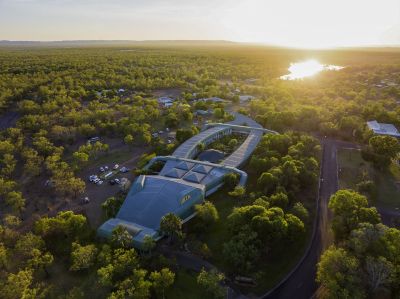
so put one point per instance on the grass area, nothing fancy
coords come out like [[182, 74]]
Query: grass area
[[113, 157], [352, 166], [185, 283]]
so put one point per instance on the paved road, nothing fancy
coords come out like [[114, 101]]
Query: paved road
[[301, 283]]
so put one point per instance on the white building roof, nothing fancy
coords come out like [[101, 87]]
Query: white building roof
[[165, 100], [383, 129]]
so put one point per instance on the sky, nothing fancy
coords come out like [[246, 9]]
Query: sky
[[294, 23]]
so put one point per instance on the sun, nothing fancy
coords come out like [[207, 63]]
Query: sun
[[306, 68]]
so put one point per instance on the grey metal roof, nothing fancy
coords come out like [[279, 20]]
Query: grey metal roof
[[202, 168], [186, 149], [158, 196], [175, 173], [194, 177]]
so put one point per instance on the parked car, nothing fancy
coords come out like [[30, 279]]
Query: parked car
[[106, 167], [116, 166], [93, 139], [169, 141], [86, 200], [92, 177], [117, 181], [167, 129], [161, 132], [102, 169], [112, 182], [123, 169], [99, 182], [96, 180]]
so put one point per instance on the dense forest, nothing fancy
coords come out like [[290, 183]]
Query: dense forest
[[54, 99]]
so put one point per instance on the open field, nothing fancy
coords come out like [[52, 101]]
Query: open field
[[352, 166]]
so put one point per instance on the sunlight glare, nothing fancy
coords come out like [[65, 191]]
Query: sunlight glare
[[308, 68]]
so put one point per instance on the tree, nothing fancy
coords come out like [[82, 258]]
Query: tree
[[33, 161], [183, 134], [171, 120], [238, 192], [339, 273], [129, 139], [381, 150], [120, 237], [300, 211], [349, 209], [171, 226], [380, 272], [82, 257], [80, 159], [111, 206], [242, 250], [6, 186], [207, 213], [162, 280], [40, 260], [211, 282], [279, 199], [20, 285], [15, 200], [148, 244], [267, 182], [231, 179], [64, 225]]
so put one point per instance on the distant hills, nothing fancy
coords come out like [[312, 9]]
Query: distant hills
[[114, 42]]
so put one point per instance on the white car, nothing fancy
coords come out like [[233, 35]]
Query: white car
[[99, 182], [117, 181], [116, 166], [161, 132], [105, 167], [92, 177], [167, 129], [123, 169], [169, 141], [102, 169], [96, 180]]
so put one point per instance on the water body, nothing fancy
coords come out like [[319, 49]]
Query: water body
[[308, 68]]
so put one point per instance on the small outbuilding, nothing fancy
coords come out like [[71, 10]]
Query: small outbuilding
[[383, 129]]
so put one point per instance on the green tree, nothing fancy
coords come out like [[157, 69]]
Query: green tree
[[162, 280], [171, 226], [82, 257], [129, 139], [339, 273], [381, 150], [300, 211], [267, 182], [211, 282], [207, 213], [349, 209], [148, 244], [120, 237], [231, 179], [15, 200]]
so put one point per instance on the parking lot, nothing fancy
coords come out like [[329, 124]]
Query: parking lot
[[98, 193]]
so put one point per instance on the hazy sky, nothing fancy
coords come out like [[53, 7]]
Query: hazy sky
[[300, 23]]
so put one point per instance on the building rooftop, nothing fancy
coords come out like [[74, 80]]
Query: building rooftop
[[383, 129], [152, 197]]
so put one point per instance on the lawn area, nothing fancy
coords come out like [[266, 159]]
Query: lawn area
[[185, 283], [352, 166]]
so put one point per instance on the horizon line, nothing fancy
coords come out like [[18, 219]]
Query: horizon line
[[265, 44]]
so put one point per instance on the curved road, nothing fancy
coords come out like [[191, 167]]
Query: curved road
[[301, 284]]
